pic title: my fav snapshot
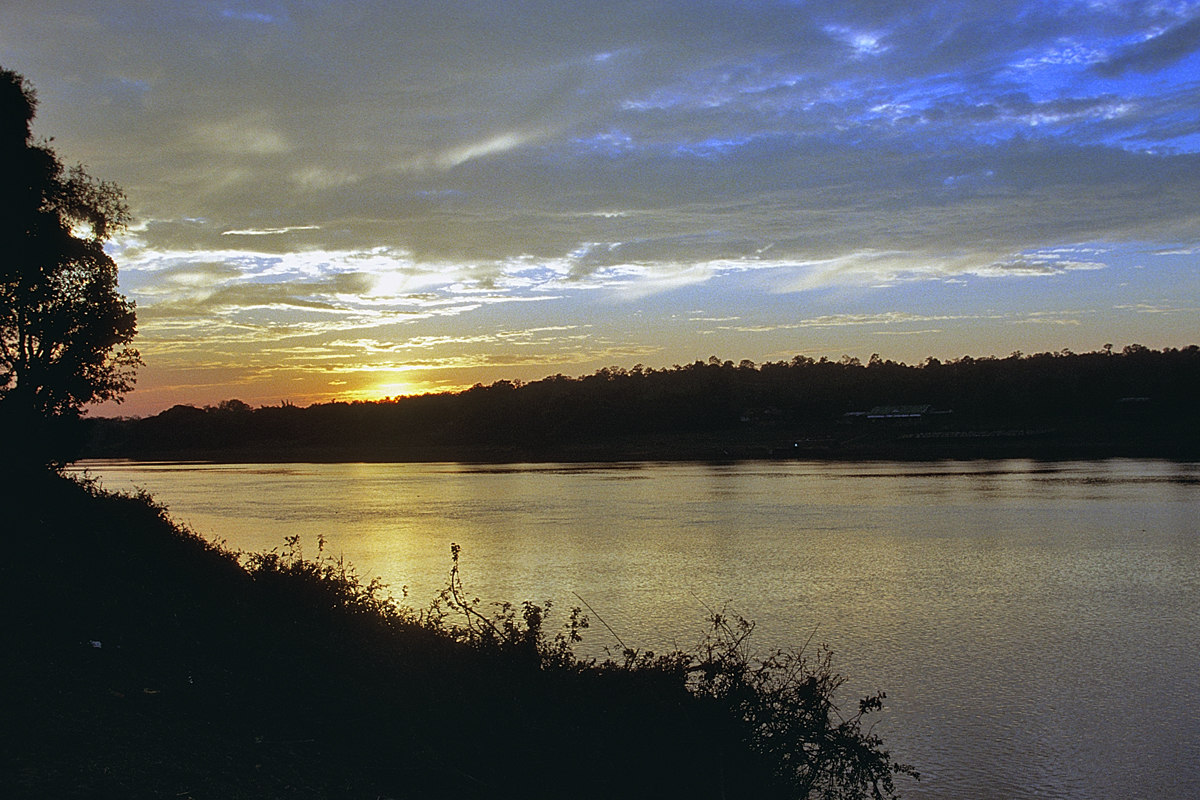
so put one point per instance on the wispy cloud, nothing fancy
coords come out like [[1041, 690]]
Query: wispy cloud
[[270, 231]]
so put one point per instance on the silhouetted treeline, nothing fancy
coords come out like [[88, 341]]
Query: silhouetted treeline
[[764, 403]]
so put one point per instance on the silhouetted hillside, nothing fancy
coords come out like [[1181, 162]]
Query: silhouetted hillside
[[1133, 402], [140, 661]]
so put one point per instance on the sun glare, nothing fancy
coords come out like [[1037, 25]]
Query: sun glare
[[382, 391]]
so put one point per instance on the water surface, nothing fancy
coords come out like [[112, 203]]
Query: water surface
[[1036, 626]]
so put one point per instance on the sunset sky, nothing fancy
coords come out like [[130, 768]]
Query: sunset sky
[[352, 200]]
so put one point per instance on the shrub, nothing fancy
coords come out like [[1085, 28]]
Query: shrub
[[781, 705], [337, 689]]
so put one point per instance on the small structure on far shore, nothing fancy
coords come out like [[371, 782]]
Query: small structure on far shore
[[899, 412], [895, 416]]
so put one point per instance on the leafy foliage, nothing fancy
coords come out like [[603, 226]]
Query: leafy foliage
[[509, 629], [64, 328], [782, 705], [326, 581], [280, 675], [785, 705]]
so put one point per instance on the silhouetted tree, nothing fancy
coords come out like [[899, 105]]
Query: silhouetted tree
[[64, 328]]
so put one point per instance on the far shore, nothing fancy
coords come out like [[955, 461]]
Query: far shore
[[1000, 444]]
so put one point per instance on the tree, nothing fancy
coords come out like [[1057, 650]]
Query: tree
[[64, 328]]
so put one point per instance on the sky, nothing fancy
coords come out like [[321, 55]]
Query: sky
[[353, 200]]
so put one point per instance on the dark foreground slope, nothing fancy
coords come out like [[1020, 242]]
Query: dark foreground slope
[[141, 661]]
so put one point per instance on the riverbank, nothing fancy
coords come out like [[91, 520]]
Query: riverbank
[[1065, 440], [143, 661]]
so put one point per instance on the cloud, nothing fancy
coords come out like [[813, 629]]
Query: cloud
[[246, 135], [1149, 308], [496, 144], [673, 132], [271, 231], [1049, 318], [886, 319], [1155, 52]]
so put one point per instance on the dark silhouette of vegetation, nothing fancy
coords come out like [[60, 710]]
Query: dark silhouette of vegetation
[[64, 328], [143, 661], [1134, 401]]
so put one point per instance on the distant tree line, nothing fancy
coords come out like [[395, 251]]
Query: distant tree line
[[796, 397]]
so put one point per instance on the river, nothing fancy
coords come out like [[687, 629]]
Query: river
[[1036, 626]]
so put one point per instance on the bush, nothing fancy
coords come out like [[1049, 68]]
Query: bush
[[781, 706], [277, 675]]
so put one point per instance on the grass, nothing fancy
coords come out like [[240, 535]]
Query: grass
[[142, 661]]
